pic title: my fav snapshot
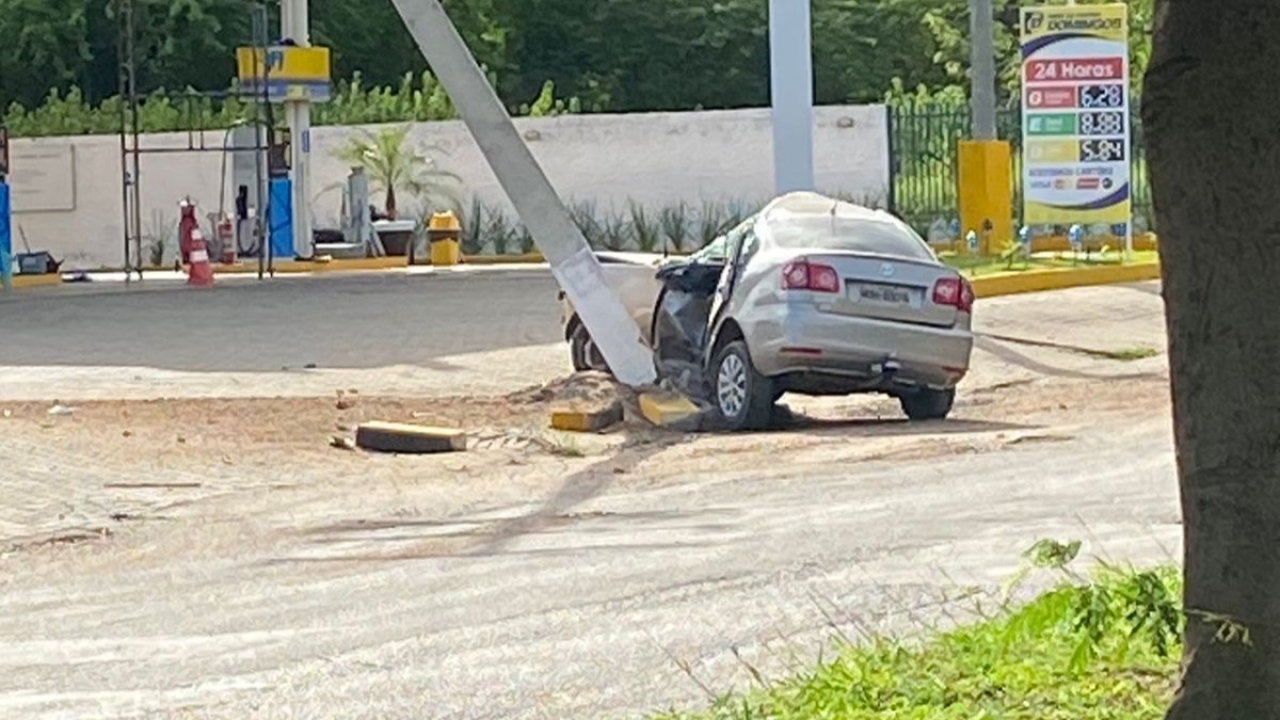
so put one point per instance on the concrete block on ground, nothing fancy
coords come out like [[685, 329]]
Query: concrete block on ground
[[409, 439], [670, 410], [587, 419]]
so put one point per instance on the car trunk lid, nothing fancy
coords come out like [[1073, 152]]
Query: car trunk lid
[[885, 288]]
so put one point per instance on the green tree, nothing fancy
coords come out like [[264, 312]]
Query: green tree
[[614, 55], [948, 23], [182, 43], [366, 38], [45, 45]]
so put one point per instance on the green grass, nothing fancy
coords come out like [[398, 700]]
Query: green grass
[[976, 266], [1105, 649], [1131, 354]]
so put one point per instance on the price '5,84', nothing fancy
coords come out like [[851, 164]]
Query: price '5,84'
[[1102, 150]]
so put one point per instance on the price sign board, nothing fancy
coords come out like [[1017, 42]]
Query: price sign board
[[1075, 113]]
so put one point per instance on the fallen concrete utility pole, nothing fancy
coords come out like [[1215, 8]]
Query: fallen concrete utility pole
[[572, 262]]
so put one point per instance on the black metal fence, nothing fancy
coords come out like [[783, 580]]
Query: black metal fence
[[923, 142]]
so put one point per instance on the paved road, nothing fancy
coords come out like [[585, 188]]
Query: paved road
[[357, 321]]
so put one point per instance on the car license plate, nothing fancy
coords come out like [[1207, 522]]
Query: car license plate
[[885, 294]]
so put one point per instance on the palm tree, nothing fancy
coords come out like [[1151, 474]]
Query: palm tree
[[394, 163]]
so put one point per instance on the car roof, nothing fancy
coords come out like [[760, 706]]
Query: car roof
[[811, 204], [831, 222]]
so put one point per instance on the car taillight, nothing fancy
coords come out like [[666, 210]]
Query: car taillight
[[804, 275], [955, 292]]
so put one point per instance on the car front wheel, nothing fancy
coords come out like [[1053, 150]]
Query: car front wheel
[[743, 397], [928, 404]]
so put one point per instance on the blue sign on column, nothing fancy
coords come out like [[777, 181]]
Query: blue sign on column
[[281, 219], [6, 238]]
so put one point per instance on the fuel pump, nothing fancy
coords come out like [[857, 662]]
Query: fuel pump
[[280, 195]]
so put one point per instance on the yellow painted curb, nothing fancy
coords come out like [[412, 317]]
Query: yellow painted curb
[[525, 259], [1061, 278], [663, 409], [22, 282], [291, 267]]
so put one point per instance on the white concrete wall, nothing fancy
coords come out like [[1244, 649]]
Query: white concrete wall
[[657, 159]]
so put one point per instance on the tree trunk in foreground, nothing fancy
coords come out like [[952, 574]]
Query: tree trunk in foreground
[[1212, 119]]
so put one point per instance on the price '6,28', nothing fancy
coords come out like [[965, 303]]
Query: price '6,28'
[[1101, 150]]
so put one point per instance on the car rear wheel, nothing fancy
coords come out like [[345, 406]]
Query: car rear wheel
[[583, 351], [928, 404], [743, 397]]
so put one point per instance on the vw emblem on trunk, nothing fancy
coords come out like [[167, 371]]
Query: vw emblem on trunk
[[886, 270]]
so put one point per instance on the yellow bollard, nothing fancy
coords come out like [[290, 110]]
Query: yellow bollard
[[444, 234]]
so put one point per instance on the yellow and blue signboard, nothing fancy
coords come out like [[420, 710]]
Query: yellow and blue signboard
[[290, 73], [1075, 100]]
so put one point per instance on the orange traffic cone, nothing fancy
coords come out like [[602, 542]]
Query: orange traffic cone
[[201, 273]]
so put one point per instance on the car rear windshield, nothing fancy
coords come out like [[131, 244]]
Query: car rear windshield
[[880, 236]]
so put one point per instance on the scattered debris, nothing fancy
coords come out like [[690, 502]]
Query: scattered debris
[[670, 410], [153, 485], [576, 419], [560, 446], [583, 402], [1040, 438], [71, 537], [409, 439], [345, 402], [342, 443]]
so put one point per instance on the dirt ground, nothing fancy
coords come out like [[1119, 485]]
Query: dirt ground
[[239, 516], [185, 446], [237, 430]]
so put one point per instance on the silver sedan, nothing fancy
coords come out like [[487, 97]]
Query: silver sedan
[[813, 296]]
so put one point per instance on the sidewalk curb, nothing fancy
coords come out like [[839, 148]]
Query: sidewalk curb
[[985, 286], [1030, 281]]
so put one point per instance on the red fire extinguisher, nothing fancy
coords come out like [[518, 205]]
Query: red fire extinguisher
[[227, 239], [187, 223]]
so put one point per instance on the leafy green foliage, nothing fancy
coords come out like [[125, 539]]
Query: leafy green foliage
[[675, 228], [604, 55], [1105, 649], [417, 98], [676, 224]]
